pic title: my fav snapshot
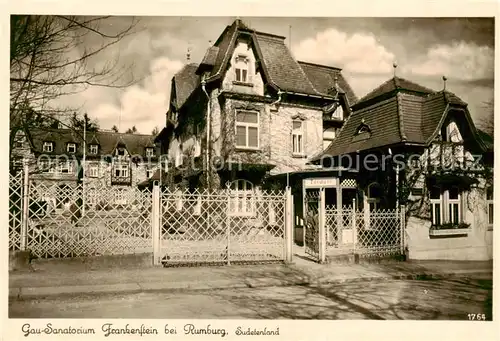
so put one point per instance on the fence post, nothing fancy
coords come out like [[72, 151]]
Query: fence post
[[402, 220], [156, 224], [228, 226], [288, 224], [321, 220], [354, 227], [25, 216]]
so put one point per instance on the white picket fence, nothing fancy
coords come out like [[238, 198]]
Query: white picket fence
[[56, 220]]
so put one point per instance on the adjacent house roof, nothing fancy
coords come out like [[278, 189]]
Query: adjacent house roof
[[135, 144], [392, 85], [185, 82], [279, 68], [323, 79], [398, 116]]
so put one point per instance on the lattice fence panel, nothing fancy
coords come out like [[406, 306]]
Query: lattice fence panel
[[219, 226], [379, 233], [64, 221], [15, 210], [376, 233]]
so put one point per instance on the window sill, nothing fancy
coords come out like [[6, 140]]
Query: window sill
[[450, 232], [247, 149], [298, 156], [250, 85], [490, 228]]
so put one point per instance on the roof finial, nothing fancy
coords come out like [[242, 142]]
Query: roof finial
[[395, 66], [444, 83], [188, 54]]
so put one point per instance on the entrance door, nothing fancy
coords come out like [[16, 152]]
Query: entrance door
[[311, 222]]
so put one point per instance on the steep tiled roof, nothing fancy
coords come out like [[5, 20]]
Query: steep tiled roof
[[136, 144], [210, 56], [402, 117], [323, 79], [395, 83], [284, 71], [279, 67], [185, 82]]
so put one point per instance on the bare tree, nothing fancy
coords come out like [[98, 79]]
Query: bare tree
[[55, 56], [155, 131]]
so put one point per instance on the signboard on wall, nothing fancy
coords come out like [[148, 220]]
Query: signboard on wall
[[320, 183]]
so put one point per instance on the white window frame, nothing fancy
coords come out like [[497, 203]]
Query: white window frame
[[65, 165], [149, 152], [123, 169], [48, 147], [452, 203], [298, 138], [490, 208], [71, 146], [93, 171], [247, 125], [120, 197], [242, 201], [94, 149], [446, 208], [242, 64]]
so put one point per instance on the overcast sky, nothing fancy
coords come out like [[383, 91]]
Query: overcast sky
[[365, 48]]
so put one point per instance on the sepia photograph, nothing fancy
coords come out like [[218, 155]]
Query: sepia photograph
[[249, 168]]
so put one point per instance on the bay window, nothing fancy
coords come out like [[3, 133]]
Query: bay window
[[247, 129]]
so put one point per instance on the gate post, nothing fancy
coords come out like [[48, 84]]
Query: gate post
[[156, 224], [288, 224], [25, 214], [354, 227], [321, 219]]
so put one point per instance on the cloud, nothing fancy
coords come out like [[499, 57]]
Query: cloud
[[463, 61], [359, 52], [141, 105]]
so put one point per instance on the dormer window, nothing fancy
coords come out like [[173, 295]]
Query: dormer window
[[94, 149], [71, 148], [120, 151], [241, 69], [149, 152], [362, 129], [48, 147]]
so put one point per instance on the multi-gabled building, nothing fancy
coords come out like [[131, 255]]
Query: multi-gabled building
[[251, 111], [120, 161]]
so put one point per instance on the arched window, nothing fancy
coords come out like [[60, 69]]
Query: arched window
[[242, 200]]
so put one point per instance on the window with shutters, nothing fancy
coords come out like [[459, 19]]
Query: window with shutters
[[247, 129]]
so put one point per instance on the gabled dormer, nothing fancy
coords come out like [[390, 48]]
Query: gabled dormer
[[71, 148], [48, 146]]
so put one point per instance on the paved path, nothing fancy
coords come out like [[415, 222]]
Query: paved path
[[447, 299]]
